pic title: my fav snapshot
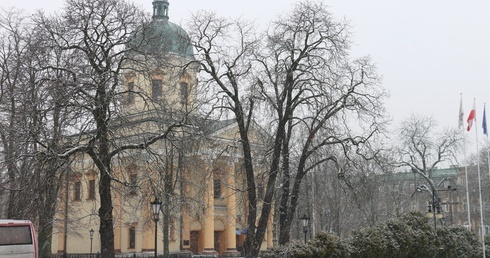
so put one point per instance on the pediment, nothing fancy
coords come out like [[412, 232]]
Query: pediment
[[230, 131]]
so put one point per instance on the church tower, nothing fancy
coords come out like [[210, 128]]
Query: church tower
[[159, 73]]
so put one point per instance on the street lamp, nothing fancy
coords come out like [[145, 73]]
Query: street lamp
[[429, 214], [91, 232], [434, 207], [155, 205], [451, 190], [304, 220], [434, 210]]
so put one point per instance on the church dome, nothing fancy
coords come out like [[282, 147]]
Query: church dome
[[161, 36]]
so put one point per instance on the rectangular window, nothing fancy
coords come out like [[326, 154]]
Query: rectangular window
[[217, 188], [133, 180], [156, 89], [15, 235], [132, 237], [91, 189], [131, 92], [77, 191], [172, 229], [260, 191], [184, 92]]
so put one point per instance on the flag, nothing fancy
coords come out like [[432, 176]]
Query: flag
[[461, 113], [471, 117], [484, 123]]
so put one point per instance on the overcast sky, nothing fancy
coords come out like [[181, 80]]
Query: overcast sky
[[427, 51]]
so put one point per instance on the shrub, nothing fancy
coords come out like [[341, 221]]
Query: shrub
[[294, 249], [412, 236], [408, 236], [329, 246], [458, 242]]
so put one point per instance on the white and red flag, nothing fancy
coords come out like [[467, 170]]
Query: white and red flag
[[471, 117]]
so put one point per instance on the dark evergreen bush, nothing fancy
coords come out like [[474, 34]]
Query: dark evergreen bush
[[458, 242], [329, 246], [412, 235], [409, 236]]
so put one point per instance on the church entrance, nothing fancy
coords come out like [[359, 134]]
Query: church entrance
[[217, 240], [194, 242]]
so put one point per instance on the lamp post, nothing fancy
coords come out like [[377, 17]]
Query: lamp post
[[434, 210], [304, 220], [451, 190], [155, 205], [434, 207], [91, 232]]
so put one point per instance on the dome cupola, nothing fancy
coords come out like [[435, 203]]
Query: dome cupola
[[160, 36], [160, 9]]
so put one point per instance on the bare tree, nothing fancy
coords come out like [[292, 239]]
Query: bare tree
[[101, 36], [314, 89], [14, 86], [226, 60], [364, 180], [33, 103], [422, 148], [169, 182], [301, 72]]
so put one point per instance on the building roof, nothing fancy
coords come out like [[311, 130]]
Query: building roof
[[213, 126], [435, 173], [160, 36]]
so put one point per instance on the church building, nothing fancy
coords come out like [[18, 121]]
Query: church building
[[196, 171]]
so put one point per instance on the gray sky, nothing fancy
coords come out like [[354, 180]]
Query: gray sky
[[428, 52]]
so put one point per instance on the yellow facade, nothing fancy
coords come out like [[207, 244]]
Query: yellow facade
[[212, 220], [200, 182]]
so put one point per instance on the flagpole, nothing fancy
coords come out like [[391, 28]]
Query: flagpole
[[479, 181], [467, 192], [485, 132], [460, 124]]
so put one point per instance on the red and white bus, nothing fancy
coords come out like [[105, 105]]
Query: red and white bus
[[17, 239]]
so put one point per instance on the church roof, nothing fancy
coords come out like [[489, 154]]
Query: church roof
[[213, 126], [160, 36]]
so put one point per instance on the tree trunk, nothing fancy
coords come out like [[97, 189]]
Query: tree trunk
[[166, 211], [106, 229], [45, 233], [8, 140], [284, 225], [103, 161]]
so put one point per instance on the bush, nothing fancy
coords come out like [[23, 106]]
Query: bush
[[458, 242], [408, 236], [412, 236], [322, 245], [372, 242], [294, 249], [329, 245]]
